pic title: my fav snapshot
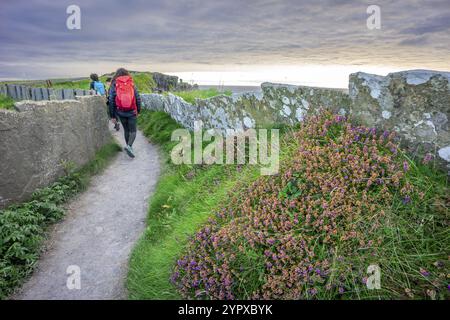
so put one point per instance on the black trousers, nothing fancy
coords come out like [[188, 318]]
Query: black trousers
[[129, 129]]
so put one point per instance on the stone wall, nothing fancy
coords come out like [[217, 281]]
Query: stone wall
[[416, 104], [39, 136], [275, 104], [20, 92]]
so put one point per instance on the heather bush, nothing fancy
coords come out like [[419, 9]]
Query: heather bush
[[346, 197]]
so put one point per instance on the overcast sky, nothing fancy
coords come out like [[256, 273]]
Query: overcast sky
[[227, 40]]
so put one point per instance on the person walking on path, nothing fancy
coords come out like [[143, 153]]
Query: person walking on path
[[108, 87], [97, 85], [125, 105]]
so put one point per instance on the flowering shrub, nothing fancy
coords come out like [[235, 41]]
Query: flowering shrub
[[345, 198]]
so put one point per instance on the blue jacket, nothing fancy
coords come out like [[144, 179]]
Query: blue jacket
[[112, 103]]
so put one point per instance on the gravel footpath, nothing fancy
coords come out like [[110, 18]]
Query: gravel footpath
[[98, 232]]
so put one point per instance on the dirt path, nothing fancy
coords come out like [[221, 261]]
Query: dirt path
[[99, 231]]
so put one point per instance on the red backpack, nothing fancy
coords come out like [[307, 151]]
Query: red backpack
[[125, 99]]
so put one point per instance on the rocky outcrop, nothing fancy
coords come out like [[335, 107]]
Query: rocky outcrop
[[38, 138], [166, 82]]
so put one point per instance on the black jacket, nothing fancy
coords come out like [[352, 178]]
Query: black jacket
[[113, 112]]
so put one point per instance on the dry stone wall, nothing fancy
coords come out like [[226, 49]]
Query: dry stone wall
[[37, 138], [276, 103], [415, 104]]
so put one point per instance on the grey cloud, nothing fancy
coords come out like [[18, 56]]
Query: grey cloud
[[159, 33]]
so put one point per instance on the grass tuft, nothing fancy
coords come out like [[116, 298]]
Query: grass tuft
[[6, 102]]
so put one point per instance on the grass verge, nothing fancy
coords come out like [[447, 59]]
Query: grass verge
[[190, 96], [23, 226], [143, 80], [183, 201], [346, 200], [398, 222]]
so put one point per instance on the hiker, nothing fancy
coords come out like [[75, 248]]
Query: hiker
[[125, 104], [108, 87], [97, 85]]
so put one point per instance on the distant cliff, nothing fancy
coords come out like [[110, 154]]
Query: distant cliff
[[165, 82]]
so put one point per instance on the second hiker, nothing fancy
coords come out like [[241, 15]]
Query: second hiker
[[125, 104]]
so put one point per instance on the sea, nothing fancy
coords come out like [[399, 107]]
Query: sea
[[233, 89]]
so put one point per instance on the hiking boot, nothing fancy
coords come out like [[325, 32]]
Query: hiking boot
[[130, 151], [117, 126]]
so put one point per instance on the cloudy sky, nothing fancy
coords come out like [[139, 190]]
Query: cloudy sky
[[316, 42]]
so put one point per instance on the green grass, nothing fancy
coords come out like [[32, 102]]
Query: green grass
[[415, 236], [6, 102], [143, 80], [184, 199], [23, 226], [190, 96]]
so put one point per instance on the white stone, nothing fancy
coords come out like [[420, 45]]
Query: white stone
[[386, 114], [286, 100], [444, 153], [300, 114], [248, 122], [427, 115], [286, 111], [305, 104], [374, 82], [431, 124], [416, 77]]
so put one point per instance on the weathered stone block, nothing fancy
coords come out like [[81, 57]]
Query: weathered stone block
[[35, 141], [415, 104]]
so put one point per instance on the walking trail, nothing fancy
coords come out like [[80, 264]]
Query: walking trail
[[100, 228]]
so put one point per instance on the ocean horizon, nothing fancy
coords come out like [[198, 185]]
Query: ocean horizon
[[233, 89]]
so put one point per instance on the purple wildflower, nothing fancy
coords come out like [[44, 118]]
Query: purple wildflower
[[424, 272], [406, 200], [313, 291], [405, 166], [226, 282], [428, 157]]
